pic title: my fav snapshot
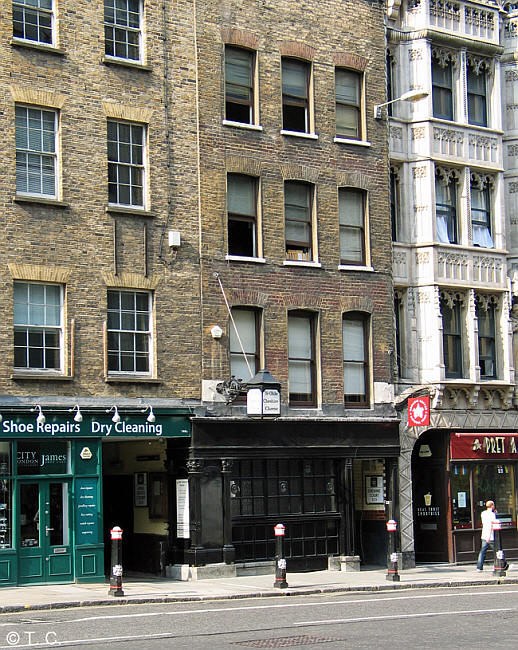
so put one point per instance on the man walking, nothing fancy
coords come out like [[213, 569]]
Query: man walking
[[488, 536]]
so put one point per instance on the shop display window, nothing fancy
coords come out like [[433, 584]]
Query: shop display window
[[495, 482], [461, 496], [472, 485], [5, 496]]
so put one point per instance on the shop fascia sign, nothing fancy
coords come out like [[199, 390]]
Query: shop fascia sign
[[484, 445], [94, 426]]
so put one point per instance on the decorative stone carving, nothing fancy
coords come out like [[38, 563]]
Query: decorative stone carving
[[482, 181], [422, 257], [512, 150], [420, 172], [396, 132], [415, 55], [445, 9], [418, 132], [446, 175], [512, 188], [444, 57]]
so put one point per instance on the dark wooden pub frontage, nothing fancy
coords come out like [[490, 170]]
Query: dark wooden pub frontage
[[326, 481]]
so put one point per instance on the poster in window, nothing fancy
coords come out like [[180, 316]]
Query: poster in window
[[140, 487]]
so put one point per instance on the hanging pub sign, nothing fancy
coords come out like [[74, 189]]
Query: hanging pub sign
[[263, 396], [481, 446], [419, 411]]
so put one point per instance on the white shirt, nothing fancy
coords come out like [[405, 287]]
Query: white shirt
[[488, 517]]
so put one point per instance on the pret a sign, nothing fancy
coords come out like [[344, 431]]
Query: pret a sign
[[484, 445]]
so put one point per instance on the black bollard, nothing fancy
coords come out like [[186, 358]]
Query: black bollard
[[116, 563], [500, 563], [280, 561], [392, 572]]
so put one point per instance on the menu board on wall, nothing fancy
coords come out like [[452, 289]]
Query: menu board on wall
[[182, 508], [86, 511]]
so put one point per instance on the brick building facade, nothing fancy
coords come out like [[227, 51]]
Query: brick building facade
[[147, 147]]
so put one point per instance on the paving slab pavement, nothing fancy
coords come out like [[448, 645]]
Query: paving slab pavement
[[149, 589]]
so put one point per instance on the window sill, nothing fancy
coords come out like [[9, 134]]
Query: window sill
[[299, 134], [353, 267], [243, 125], [20, 198], [126, 63], [313, 265], [40, 376], [359, 143], [34, 45], [119, 209], [244, 258], [133, 379]]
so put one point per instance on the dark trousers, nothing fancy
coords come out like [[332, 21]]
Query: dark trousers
[[482, 554]]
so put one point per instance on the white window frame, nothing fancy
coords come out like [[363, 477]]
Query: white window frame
[[234, 349], [295, 254], [365, 361], [120, 331], [307, 103], [364, 228], [117, 165], [43, 326], [29, 152], [359, 106], [253, 103], [128, 29], [24, 6]]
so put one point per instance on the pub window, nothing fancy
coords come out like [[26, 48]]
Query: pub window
[[352, 216], [298, 218], [348, 90], [355, 359], [296, 95], [242, 215], [302, 358], [239, 85], [247, 325]]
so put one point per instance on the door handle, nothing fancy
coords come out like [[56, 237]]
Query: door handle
[[47, 530]]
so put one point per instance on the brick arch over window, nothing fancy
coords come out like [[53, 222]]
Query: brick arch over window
[[354, 179], [247, 298], [297, 50], [300, 173], [240, 165], [357, 304], [351, 61], [303, 301], [240, 37]]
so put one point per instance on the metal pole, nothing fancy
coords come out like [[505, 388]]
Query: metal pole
[[500, 563], [280, 561], [392, 568], [116, 563]]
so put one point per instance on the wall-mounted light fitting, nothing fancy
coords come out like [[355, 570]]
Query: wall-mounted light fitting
[[151, 417], [216, 332], [41, 418], [410, 96], [174, 238], [78, 417], [116, 417]]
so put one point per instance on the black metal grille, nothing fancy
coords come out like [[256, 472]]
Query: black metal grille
[[299, 493], [287, 641]]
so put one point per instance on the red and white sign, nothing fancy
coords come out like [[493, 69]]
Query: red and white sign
[[391, 525], [116, 532], [279, 530], [479, 446], [419, 411]]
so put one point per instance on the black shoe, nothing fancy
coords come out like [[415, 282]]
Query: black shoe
[[506, 566]]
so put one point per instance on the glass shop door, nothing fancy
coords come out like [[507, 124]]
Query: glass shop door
[[44, 532]]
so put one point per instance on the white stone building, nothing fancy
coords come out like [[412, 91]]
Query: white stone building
[[454, 178]]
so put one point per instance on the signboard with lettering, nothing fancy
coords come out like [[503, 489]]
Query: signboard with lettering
[[87, 523], [482, 446], [95, 426], [43, 457], [182, 508]]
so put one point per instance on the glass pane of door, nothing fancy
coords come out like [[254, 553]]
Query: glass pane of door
[[29, 514], [57, 514]]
